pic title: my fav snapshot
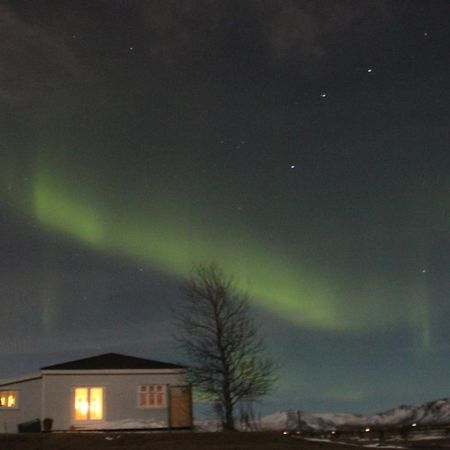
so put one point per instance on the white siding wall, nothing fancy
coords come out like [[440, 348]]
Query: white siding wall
[[29, 405], [120, 397]]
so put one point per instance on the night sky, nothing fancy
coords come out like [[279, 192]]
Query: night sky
[[302, 145]]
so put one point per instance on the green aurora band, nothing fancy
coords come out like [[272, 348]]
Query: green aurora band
[[173, 237]]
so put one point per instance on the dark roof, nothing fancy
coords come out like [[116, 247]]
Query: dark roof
[[112, 361]]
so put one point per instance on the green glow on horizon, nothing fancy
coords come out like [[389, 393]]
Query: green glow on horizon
[[422, 319], [171, 238]]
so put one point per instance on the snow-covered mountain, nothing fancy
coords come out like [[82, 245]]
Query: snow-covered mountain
[[430, 413]]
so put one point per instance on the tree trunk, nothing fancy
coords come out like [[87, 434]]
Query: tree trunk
[[229, 419]]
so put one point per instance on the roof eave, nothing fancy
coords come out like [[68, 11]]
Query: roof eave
[[113, 371], [22, 379]]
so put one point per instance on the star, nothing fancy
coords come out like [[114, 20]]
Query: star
[[131, 48], [323, 94], [369, 70], [424, 270], [293, 166]]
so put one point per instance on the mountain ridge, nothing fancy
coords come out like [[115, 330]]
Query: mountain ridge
[[436, 412]]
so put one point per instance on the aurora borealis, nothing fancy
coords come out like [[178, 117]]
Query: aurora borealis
[[301, 145]]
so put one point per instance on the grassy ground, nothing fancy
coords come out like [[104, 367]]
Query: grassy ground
[[161, 441]]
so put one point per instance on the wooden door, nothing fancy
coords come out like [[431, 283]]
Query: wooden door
[[180, 405]]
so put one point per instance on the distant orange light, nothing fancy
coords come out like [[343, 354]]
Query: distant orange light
[[366, 430]]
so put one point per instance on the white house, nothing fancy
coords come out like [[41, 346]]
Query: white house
[[109, 391]]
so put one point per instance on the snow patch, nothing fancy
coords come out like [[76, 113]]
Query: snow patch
[[125, 424]]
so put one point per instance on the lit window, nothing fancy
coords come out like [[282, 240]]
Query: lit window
[[88, 403], [152, 396], [8, 399]]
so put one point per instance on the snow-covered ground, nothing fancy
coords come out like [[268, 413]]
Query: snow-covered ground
[[126, 424]]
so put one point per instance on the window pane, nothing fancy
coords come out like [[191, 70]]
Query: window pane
[[152, 395], [142, 399], [81, 404], [11, 399], [96, 403], [8, 399]]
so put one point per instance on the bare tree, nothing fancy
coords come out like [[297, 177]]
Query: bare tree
[[214, 328]]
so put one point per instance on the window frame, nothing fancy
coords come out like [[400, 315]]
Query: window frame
[[148, 393], [16, 400], [89, 388]]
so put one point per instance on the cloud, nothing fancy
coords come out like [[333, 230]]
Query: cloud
[[292, 28], [298, 29], [31, 59], [35, 58], [183, 29], [282, 29]]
